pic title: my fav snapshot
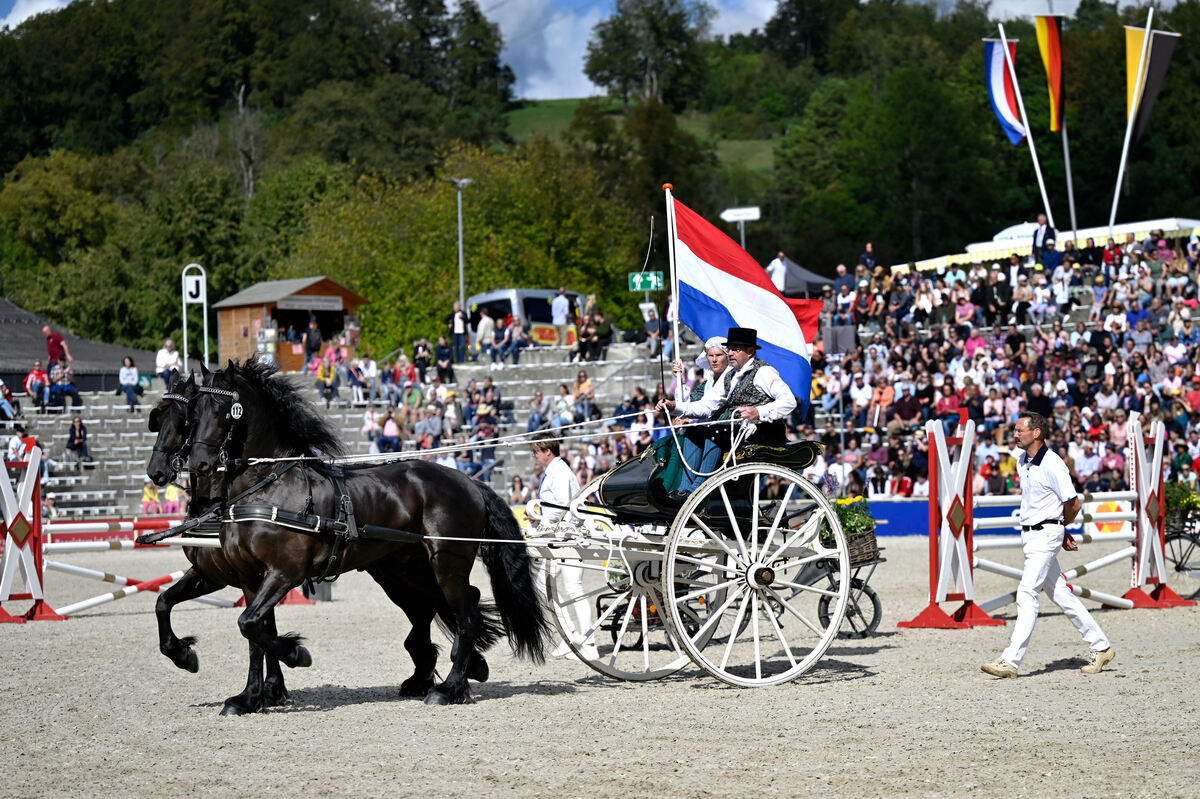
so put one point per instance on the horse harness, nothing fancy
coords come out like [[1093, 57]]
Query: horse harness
[[177, 454], [343, 526]]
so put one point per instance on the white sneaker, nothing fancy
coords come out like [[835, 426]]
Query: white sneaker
[[590, 652], [500, 366], [1001, 668], [561, 651], [1098, 660]]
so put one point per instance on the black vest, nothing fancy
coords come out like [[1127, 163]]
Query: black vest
[[745, 393]]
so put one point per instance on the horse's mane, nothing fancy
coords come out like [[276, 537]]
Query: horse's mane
[[304, 429]]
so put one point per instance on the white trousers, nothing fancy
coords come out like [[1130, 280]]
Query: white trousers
[[571, 579], [1042, 573]]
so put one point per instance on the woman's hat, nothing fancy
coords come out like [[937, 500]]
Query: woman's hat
[[742, 337]]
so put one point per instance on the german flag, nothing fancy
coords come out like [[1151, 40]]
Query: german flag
[[1049, 38]]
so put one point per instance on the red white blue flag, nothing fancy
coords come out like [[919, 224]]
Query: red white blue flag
[[722, 286], [1001, 92]]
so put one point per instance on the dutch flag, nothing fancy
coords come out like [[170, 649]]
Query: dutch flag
[[721, 286], [1001, 91]]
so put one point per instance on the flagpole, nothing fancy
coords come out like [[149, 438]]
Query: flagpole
[[671, 257], [1070, 180], [1137, 99], [1012, 73]]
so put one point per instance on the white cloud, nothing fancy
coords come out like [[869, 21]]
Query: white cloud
[[22, 10], [546, 46], [742, 17]]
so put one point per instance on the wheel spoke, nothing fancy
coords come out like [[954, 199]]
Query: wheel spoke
[[645, 635], [787, 649], [754, 489], [806, 530], [795, 612], [708, 590], [737, 531], [591, 631], [754, 624], [716, 615], [710, 564], [778, 517], [803, 587], [604, 589], [737, 624], [612, 659]]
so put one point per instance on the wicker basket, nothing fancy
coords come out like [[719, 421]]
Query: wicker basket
[[862, 548]]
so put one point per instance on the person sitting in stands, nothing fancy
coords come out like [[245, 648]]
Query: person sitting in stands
[[9, 407], [62, 383], [37, 386], [77, 440]]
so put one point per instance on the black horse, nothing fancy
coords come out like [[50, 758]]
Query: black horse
[[210, 571], [245, 412]]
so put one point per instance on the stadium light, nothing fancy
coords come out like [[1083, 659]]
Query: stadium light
[[460, 184]]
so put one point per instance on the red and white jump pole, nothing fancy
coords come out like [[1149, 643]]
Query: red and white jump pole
[[21, 532], [951, 567]]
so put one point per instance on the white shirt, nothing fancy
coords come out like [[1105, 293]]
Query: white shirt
[[777, 270], [560, 307], [766, 379], [16, 448], [1045, 486], [370, 369], [166, 359], [483, 331], [559, 485]]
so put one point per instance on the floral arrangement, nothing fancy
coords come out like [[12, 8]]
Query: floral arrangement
[[1179, 496], [855, 515]]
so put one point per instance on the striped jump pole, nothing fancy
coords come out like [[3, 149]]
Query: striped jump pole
[[136, 588], [1109, 600], [93, 574], [104, 546]]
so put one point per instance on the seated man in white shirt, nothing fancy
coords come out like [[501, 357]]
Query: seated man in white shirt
[[750, 390]]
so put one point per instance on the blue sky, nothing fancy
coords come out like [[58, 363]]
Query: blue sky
[[546, 39]]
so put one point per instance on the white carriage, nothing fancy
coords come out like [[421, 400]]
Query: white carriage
[[749, 579]]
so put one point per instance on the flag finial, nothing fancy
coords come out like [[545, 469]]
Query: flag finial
[[667, 187]]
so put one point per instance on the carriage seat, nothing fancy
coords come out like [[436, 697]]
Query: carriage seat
[[636, 491]]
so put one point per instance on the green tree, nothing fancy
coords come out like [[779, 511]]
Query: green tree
[[392, 126], [801, 30], [650, 49]]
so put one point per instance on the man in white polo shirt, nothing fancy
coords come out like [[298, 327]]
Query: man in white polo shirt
[[558, 487], [1048, 503]]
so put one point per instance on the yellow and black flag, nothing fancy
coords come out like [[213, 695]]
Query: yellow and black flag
[[1049, 38], [1139, 99]]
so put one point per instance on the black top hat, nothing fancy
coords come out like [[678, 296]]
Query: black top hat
[[742, 337]]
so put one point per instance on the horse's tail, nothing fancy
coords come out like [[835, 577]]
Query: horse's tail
[[521, 606]]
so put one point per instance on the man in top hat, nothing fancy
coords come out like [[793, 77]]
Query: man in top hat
[[750, 389]]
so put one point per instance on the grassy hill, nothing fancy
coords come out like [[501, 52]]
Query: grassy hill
[[551, 118]]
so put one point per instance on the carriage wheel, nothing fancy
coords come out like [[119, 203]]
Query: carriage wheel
[[1182, 552], [740, 545], [863, 611], [622, 587]]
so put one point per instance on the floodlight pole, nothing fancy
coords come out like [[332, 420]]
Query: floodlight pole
[[460, 184]]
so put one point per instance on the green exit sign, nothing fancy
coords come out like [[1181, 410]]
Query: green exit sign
[[645, 281]]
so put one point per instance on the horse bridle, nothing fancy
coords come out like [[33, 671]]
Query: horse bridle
[[178, 454], [232, 412]]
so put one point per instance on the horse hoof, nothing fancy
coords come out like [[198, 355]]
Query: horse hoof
[[436, 697], [299, 659], [415, 687], [479, 671], [188, 660], [233, 708]]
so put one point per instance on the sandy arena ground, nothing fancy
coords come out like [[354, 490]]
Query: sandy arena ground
[[92, 709]]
